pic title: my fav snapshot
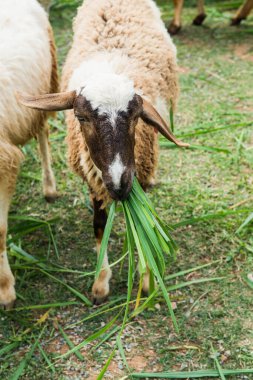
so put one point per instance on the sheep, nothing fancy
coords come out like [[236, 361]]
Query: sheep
[[176, 25], [119, 80], [28, 62]]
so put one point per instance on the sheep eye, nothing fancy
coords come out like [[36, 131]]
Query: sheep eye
[[83, 119]]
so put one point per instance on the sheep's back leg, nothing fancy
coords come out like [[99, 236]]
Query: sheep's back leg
[[100, 288], [49, 184], [242, 12], [201, 14], [10, 158], [175, 24], [145, 282]]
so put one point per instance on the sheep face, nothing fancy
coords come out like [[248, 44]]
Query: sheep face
[[108, 131], [110, 137]]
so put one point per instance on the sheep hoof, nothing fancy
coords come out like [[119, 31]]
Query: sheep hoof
[[199, 19], [7, 294], [8, 306], [145, 292], [173, 29], [51, 198], [100, 291], [99, 301], [145, 284], [236, 21]]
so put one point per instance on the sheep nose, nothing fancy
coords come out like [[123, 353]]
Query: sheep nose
[[122, 190], [120, 194]]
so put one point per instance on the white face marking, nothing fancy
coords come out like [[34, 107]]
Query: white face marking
[[107, 91], [116, 169]]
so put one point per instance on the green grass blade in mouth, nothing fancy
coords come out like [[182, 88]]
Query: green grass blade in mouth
[[131, 228], [150, 237], [153, 267], [105, 239]]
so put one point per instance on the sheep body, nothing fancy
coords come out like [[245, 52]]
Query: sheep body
[[27, 63], [120, 76], [126, 38], [25, 57]]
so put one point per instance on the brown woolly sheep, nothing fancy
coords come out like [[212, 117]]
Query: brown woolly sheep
[[120, 76], [27, 62], [176, 24]]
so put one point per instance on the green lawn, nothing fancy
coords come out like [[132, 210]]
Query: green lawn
[[216, 66]]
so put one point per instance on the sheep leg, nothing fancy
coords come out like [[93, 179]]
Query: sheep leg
[[100, 288], [175, 24], [145, 281], [7, 281], [201, 14], [242, 12], [49, 184]]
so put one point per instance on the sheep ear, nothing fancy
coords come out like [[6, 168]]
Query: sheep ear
[[48, 102], [150, 116]]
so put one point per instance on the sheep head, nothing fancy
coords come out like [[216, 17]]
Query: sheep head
[[108, 131]]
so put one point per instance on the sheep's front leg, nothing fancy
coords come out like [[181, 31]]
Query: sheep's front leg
[[49, 184], [175, 24], [7, 281], [201, 14], [100, 289], [146, 280]]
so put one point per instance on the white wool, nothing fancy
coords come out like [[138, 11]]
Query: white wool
[[25, 62], [96, 79], [108, 92], [116, 169]]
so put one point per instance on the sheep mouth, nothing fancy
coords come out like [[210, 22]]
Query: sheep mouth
[[120, 194]]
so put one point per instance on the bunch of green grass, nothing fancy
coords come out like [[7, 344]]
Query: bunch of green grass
[[147, 234]]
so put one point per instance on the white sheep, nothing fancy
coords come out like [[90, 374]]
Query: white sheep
[[120, 76], [27, 63]]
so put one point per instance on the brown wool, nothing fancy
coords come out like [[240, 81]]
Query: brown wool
[[133, 29]]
